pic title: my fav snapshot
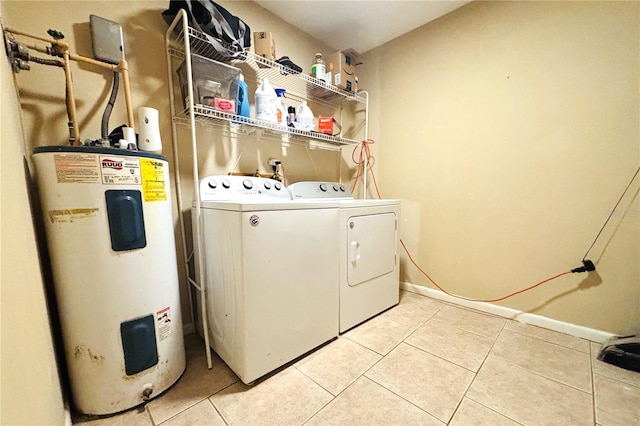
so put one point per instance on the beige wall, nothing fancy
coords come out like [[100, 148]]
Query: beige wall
[[30, 390], [42, 90], [509, 130]]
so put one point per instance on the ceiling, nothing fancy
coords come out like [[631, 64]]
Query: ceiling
[[361, 25]]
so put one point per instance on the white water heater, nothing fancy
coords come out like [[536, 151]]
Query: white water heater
[[109, 230]]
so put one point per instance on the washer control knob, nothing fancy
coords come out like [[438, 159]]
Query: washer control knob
[[213, 184], [247, 183], [267, 185], [323, 187], [277, 186], [335, 187], [226, 183], [341, 187]]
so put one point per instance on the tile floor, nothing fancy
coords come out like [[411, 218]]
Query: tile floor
[[421, 362]]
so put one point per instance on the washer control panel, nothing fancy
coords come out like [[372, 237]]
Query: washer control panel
[[319, 190], [224, 187]]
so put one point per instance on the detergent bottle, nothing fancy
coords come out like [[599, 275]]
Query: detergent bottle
[[304, 117], [243, 98], [281, 110], [265, 97]]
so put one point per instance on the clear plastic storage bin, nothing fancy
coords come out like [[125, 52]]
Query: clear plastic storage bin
[[214, 84]]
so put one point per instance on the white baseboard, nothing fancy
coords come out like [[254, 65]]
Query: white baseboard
[[523, 317]]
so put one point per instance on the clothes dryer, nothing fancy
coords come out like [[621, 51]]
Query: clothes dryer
[[368, 250], [270, 296]]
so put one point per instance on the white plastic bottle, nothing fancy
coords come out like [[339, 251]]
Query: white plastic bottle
[[265, 98], [304, 117]]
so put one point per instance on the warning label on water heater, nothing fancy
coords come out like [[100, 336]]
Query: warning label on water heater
[[120, 170], [76, 168], [163, 322], [153, 180]]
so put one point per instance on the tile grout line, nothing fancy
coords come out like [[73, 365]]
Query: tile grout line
[[179, 412], [593, 387], [553, 343], [491, 409], [469, 331], [149, 416], [537, 373], [192, 405], [422, 350], [479, 313], [334, 397], [224, 419], [440, 357], [405, 399], [325, 389], [384, 356], [475, 375], [402, 341], [208, 398]]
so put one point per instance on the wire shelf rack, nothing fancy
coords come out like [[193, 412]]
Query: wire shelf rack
[[181, 42], [206, 116], [256, 67]]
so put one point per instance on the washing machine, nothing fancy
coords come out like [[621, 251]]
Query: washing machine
[[368, 255], [270, 296]]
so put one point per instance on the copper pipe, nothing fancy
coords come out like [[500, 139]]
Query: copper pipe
[[60, 43], [71, 101], [38, 48], [105, 65], [123, 67]]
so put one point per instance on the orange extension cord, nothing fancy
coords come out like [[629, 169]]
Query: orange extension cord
[[360, 162]]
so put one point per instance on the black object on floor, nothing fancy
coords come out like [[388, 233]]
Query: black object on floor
[[623, 352]]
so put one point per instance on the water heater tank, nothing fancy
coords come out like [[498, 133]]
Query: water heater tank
[[109, 230]]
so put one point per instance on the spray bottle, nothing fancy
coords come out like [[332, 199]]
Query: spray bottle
[[282, 111]]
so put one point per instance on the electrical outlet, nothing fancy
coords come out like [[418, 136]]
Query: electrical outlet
[[274, 162], [107, 40]]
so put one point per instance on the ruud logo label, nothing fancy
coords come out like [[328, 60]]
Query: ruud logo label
[[111, 164]]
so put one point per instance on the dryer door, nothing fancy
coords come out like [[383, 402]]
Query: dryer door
[[371, 247]]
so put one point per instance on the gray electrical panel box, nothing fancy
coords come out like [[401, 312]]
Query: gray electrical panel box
[[107, 40]]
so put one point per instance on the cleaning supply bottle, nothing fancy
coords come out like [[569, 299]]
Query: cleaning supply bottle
[[304, 117], [319, 67], [265, 98], [243, 98], [282, 111], [292, 116]]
